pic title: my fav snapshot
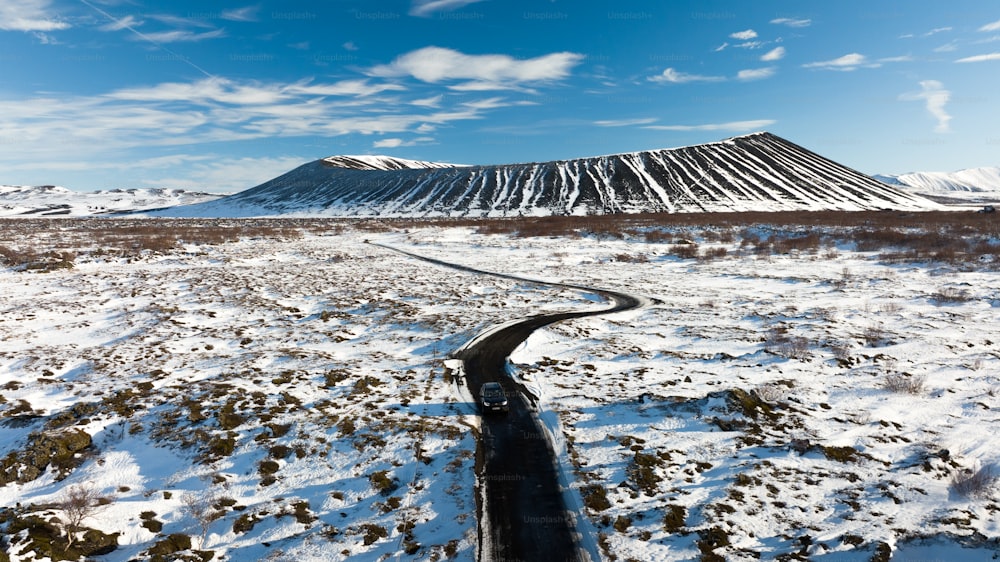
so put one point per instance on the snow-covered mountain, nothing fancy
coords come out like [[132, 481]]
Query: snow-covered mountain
[[757, 172], [986, 179], [51, 200]]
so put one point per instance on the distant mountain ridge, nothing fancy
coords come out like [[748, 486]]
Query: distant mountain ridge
[[756, 172], [973, 179], [57, 201]]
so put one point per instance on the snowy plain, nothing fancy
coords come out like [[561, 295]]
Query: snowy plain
[[302, 385]]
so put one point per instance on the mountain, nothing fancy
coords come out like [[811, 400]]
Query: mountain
[[51, 200], [760, 171], [985, 179]]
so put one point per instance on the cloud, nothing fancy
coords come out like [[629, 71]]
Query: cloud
[[248, 13], [732, 126], [744, 35], [756, 73], [935, 97], [981, 58], [901, 58], [722, 47], [28, 15], [625, 122], [181, 36], [774, 54], [397, 142], [672, 76], [482, 72], [995, 26], [424, 8], [792, 22], [127, 22], [215, 174], [433, 101], [847, 62]]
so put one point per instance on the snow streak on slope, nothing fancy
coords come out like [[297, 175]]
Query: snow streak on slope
[[759, 172]]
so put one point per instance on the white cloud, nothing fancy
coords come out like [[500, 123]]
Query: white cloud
[[792, 22], [981, 58], [424, 8], [28, 15], [181, 36], [674, 77], [995, 26], [397, 142], [350, 46], [756, 73], [433, 101], [774, 54], [935, 97], [947, 48], [744, 35], [216, 174], [732, 126], [847, 62], [483, 72], [902, 58], [127, 22], [625, 122], [248, 13], [722, 47]]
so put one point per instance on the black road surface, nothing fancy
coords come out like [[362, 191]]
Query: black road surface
[[522, 515]]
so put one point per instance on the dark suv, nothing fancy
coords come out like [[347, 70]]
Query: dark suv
[[492, 398]]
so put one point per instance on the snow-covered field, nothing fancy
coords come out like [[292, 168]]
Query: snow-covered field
[[291, 399]]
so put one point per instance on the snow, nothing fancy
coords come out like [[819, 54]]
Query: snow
[[327, 328], [55, 201]]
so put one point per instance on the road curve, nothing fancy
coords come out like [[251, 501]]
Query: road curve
[[522, 515]]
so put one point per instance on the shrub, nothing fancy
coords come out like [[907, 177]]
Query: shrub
[[900, 382], [674, 518], [974, 484], [382, 482], [372, 533], [595, 497]]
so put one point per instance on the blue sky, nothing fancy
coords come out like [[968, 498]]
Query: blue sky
[[220, 96]]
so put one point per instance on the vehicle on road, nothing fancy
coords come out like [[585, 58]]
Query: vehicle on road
[[492, 398]]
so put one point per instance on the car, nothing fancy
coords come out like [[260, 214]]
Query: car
[[492, 398]]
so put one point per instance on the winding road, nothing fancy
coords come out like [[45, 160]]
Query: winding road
[[522, 514]]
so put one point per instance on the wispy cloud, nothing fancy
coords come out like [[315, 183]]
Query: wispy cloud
[[774, 54], [625, 122], [981, 58], [934, 95], [731, 126], [792, 22], [756, 73], [424, 8], [182, 36], [28, 15], [480, 72], [674, 77], [847, 62], [247, 13], [995, 26], [934, 31], [127, 22], [744, 35]]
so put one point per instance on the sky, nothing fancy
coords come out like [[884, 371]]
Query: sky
[[221, 96]]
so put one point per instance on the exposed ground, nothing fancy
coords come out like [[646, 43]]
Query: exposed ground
[[283, 391]]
